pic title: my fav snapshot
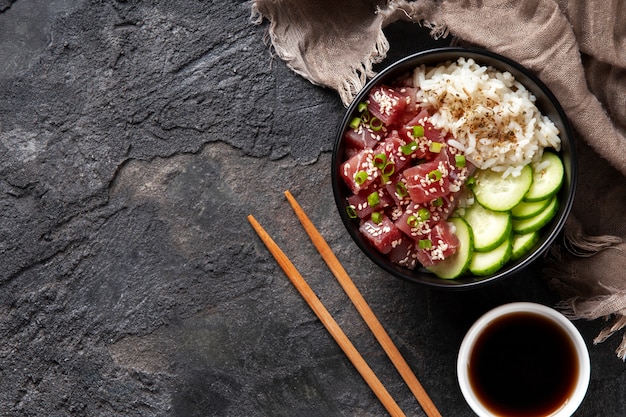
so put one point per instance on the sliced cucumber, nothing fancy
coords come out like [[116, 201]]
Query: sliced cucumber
[[486, 263], [455, 265], [490, 228], [547, 181], [502, 194], [536, 222], [523, 243], [526, 210]]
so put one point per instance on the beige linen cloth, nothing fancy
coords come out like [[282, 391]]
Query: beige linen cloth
[[576, 47]]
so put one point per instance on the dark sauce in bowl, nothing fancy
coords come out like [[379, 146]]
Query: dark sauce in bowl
[[523, 364]]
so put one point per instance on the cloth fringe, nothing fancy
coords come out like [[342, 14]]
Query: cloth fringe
[[582, 245], [351, 86], [612, 305]]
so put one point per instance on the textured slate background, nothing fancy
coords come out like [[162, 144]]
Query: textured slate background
[[135, 137]]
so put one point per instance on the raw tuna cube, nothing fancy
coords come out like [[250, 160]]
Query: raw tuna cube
[[396, 188], [386, 104], [458, 174], [444, 243], [392, 148], [417, 220], [361, 201], [425, 149], [425, 182], [360, 138], [384, 235], [404, 254], [412, 106], [358, 172]]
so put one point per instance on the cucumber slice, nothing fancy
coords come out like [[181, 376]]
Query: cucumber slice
[[490, 228], [537, 222], [526, 210], [486, 263], [547, 181], [523, 243], [502, 194], [458, 263]]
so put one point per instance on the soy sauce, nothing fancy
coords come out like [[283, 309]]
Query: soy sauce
[[523, 365]]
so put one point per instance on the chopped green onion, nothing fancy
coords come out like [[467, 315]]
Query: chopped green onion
[[401, 189], [459, 160], [418, 131], [355, 123], [435, 147], [434, 175], [425, 244], [373, 199], [360, 177], [411, 220], [351, 210], [377, 217], [380, 160], [365, 116], [438, 202], [361, 107], [423, 214], [409, 148], [470, 181], [376, 124], [389, 169]]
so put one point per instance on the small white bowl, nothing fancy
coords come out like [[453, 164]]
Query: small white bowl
[[579, 390]]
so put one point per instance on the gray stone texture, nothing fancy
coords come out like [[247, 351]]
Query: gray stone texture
[[135, 138]]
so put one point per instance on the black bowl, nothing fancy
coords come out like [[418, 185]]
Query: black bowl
[[547, 104]]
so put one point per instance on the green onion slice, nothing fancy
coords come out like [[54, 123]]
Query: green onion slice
[[351, 211], [361, 107], [360, 177], [435, 175], [435, 147], [401, 189], [418, 131], [409, 148], [411, 220], [376, 124], [423, 214], [438, 202], [355, 123], [377, 217], [389, 169], [380, 160], [470, 181], [425, 244], [373, 199], [459, 160]]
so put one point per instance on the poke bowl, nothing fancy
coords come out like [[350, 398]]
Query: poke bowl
[[454, 168]]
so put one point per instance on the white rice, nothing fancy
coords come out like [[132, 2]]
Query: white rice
[[491, 116]]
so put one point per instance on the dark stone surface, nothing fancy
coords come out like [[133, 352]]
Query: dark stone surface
[[135, 138]]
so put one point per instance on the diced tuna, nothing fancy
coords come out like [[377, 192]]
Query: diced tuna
[[383, 235], [428, 181], [361, 201], [386, 104], [443, 243]]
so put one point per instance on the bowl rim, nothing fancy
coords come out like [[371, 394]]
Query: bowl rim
[[440, 55]]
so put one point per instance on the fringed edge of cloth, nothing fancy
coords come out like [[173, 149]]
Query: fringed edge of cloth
[[611, 305], [600, 307], [351, 86], [359, 73], [579, 244]]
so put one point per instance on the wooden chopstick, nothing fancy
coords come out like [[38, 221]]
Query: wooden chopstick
[[366, 312], [331, 325]]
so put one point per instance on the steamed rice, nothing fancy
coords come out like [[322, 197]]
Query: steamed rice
[[492, 117]]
